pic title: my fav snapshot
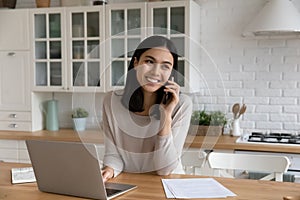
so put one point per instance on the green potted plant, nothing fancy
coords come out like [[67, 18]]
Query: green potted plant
[[207, 123], [79, 116]]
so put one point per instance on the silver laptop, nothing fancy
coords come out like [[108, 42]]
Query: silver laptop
[[71, 168]]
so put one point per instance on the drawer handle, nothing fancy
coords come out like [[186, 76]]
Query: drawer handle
[[13, 115], [13, 125], [11, 54]]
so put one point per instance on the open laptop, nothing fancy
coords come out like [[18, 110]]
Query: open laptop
[[71, 168]]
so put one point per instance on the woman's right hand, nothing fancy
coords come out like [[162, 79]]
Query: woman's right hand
[[107, 173]]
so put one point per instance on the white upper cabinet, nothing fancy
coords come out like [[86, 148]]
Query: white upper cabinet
[[180, 22], [125, 28], [85, 36], [14, 31], [67, 50], [48, 49]]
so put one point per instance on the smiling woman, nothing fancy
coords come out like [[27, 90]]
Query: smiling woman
[[145, 131]]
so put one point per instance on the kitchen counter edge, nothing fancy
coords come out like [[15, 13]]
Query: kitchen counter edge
[[223, 142]]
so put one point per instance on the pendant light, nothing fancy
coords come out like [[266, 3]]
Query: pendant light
[[278, 17]]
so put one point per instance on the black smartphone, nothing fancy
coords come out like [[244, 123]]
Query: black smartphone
[[167, 95]]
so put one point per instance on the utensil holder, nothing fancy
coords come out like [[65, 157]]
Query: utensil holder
[[235, 128]]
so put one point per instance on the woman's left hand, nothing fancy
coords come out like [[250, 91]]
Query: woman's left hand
[[167, 108], [172, 88]]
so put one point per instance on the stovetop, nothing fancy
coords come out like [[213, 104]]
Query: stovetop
[[279, 138]]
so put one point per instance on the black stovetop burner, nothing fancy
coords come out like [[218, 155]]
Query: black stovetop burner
[[282, 138]]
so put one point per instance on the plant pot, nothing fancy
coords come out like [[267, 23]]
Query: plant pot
[[42, 3], [205, 130], [79, 124]]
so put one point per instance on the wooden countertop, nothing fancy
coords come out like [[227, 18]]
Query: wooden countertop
[[149, 187], [95, 136], [67, 135], [229, 143]]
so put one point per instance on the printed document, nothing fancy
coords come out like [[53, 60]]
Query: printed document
[[188, 188], [22, 175]]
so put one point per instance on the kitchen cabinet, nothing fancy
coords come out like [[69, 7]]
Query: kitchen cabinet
[[14, 29], [125, 28], [86, 35], [15, 96], [15, 91], [15, 75], [48, 49], [68, 55], [180, 22]]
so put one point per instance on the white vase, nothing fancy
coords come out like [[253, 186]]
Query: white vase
[[79, 124]]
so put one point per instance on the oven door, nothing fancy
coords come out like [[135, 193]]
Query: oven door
[[292, 175]]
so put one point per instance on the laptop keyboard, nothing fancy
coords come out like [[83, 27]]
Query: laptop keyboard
[[110, 192]]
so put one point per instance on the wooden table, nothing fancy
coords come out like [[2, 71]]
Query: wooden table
[[150, 187]]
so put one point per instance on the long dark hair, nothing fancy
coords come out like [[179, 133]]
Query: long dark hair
[[133, 98]]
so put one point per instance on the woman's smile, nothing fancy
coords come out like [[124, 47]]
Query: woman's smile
[[152, 80]]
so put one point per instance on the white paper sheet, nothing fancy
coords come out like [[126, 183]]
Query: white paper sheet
[[195, 188], [22, 175]]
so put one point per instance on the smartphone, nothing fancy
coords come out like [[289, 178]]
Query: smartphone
[[167, 96]]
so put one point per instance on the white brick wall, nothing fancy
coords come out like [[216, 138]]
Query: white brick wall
[[262, 72]]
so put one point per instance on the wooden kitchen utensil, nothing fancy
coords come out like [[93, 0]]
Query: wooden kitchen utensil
[[235, 110], [242, 110]]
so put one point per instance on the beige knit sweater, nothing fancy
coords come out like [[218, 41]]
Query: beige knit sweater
[[131, 141]]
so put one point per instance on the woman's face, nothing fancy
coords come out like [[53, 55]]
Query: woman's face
[[154, 68]]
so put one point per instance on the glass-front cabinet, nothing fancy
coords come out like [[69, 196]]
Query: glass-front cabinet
[[48, 49], [68, 49], [86, 53], [180, 22], [125, 28]]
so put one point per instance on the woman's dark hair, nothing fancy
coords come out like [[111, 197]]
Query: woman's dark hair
[[133, 98]]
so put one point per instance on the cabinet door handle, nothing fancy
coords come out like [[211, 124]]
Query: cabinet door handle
[[13, 125], [13, 115], [11, 54]]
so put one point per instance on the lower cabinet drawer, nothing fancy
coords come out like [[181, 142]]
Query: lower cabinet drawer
[[15, 116], [15, 126]]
